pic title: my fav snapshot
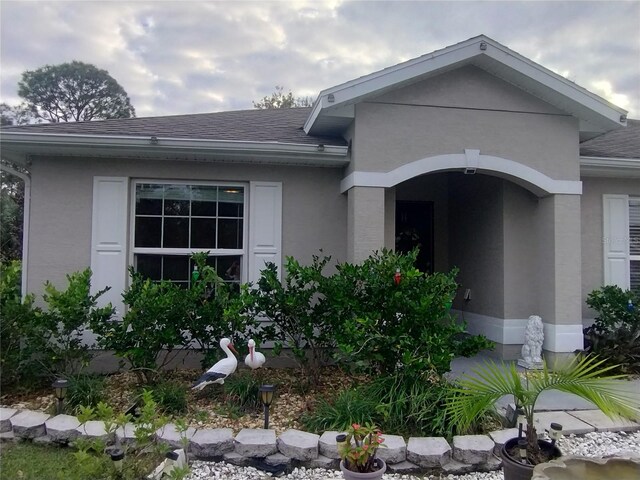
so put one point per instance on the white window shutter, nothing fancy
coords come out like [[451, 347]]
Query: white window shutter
[[265, 227], [616, 240], [109, 239]]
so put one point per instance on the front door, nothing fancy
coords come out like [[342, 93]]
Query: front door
[[414, 228]]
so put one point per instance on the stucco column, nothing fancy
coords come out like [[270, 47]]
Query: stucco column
[[559, 273], [365, 222]]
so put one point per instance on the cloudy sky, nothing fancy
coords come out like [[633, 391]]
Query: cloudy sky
[[176, 57]]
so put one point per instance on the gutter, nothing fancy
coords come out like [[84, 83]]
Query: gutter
[[610, 166], [25, 223], [160, 144]]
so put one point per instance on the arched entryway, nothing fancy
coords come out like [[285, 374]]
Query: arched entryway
[[513, 232]]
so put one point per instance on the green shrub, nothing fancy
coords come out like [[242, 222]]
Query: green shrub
[[21, 335], [85, 389], [171, 396], [150, 334], [383, 326], [243, 389], [67, 315], [162, 319], [297, 312], [615, 334], [45, 343], [213, 312]]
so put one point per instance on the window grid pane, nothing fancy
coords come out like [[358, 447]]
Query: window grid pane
[[182, 216]]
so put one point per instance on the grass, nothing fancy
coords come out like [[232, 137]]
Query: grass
[[26, 461]]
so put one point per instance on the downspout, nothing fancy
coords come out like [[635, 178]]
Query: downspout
[[25, 222]]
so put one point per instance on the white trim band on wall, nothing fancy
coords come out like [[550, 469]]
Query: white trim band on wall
[[536, 181], [510, 331]]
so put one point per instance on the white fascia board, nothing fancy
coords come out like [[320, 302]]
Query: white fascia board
[[556, 82], [351, 91], [609, 166], [164, 144]]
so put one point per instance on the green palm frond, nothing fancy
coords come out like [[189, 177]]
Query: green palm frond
[[585, 377]]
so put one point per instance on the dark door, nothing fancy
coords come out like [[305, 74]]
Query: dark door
[[414, 228]]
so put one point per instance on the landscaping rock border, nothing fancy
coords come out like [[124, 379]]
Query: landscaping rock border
[[261, 448]]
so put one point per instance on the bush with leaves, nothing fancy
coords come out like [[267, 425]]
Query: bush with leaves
[[213, 311], [48, 342], [151, 333], [92, 455], [171, 396], [67, 315], [615, 334], [21, 334], [387, 324], [295, 311]]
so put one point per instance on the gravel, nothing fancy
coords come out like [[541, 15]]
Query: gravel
[[602, 444]]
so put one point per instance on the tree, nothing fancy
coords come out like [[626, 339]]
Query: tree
[[16, 115], [279, 99], [74, 91], [12, 189]]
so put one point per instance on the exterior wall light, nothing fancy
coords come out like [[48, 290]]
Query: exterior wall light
[[266, 395], [60, 386]]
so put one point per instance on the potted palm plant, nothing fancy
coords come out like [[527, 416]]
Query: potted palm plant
[[585, 377], [357, 449]]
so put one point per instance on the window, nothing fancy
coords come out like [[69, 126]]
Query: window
[[634, 243], [173, 220]]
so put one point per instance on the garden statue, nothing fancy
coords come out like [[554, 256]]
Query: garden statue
[[254, 359], [221, 370], [532, 348]]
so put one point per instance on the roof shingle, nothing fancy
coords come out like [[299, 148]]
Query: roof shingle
[[621, 143], [275, 125]]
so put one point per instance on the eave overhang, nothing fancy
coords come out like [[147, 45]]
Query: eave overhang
[[334, 107], [610, 167], [19, 146]]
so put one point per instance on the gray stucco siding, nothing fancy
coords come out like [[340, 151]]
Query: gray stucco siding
[[428, 119], [313, 211], [592, 229]]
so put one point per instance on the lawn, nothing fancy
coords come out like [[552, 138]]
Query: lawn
[[26, 461]]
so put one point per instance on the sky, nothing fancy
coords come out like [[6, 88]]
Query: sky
[[176, 57]]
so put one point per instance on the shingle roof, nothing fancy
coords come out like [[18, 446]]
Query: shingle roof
[[621, 143], [275, 125], [280, 125]]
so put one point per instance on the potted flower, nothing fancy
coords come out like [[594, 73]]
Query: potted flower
[[585, 377], [358, 449]]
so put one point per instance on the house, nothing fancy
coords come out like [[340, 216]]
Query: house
[[527, 182]]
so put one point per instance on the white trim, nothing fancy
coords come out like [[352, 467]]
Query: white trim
[[507, 331], [26, 212], [326, 155], [592, 107], [510, 331], [460, 161], [609, 166], [563, 338]]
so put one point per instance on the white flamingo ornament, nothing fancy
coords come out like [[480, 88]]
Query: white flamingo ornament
[[221, 370], [254, 359]]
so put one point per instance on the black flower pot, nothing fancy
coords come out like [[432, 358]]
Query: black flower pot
[[514, 469]]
